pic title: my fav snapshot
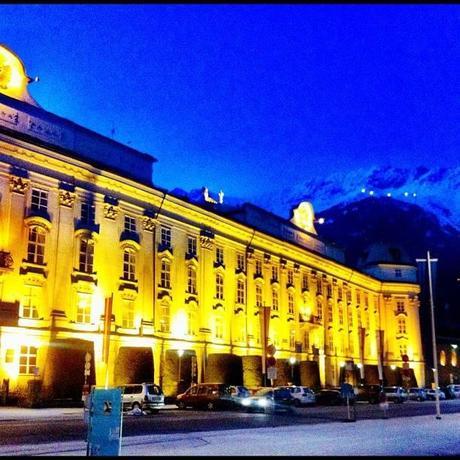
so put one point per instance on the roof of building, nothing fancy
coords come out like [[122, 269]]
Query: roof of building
[[384, 253]]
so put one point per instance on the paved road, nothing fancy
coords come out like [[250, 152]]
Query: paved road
[[70, 426]]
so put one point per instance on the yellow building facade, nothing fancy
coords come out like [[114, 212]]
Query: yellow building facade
[[99, 266]]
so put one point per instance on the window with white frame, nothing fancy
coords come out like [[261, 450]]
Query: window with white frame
[[219, 286], [240, 292], [165, 236], [275, 300], [191, 280], [290, 303], [39, 200], [86, 255], [240, 262], [164, 317], [84, 302], [29, 303], [129, 264], [274, 273], [258, 295], [36, 245], [220, 255], [128, 314], [27, 359], [165, 274], [191, 245], [130, 224], [88, 212]]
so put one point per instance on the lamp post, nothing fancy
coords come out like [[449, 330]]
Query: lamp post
[[433, 336], [292, 361], [180, 352]]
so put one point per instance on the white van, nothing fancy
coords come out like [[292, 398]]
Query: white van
[[145, 396]]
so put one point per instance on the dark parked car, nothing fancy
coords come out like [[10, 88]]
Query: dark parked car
[[269, 399], [331, 397], [207, 396], [417, 394], [369, 393]]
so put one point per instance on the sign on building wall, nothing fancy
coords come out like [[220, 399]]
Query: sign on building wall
[[105, 422]]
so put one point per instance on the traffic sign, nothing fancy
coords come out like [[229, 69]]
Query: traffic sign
[[347, 391]]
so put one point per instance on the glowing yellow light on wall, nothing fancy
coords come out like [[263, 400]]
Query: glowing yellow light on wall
[[179, 324]]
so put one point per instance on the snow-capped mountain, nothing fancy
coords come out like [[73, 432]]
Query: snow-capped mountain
[[435, 190]]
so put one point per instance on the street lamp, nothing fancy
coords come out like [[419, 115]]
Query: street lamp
[[393, 367], [433, 333], [292, 361]]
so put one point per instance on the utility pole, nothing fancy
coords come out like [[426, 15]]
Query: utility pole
[[433, 336]]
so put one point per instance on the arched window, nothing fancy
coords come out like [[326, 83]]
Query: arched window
[[129, 264], [442, 358], [36, 245], [86, 255]]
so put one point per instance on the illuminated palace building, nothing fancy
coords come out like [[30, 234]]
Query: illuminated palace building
[[108, 279]]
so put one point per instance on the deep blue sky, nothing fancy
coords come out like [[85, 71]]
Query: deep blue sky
[[250, 98]]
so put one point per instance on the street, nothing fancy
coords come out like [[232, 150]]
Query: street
[[46, 425]]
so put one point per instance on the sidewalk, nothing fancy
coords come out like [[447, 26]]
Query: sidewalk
[[422, 435]]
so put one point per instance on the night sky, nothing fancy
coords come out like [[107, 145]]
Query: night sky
[[251, 98]]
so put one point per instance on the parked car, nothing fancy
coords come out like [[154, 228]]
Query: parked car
[[303, 396], [431, 394], [144, 396], [330, 397], [454, 390], [417, 394], [207, 396], [368, 392], [396, 394], [269, 399]]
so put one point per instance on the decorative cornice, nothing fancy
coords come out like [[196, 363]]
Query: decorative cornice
[[148, 224], [66, 198]]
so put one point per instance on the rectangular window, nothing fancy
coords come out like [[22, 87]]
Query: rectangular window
[[219, 286], [319, 286], [84, 308], [366, 299], [240, 262], [358, 297], [130, 224], [348, 295], [350, 318], [39, 200], [27, 360], [220, 255], [329, 312], [191, 280], [29, 303], [191, 245], [329, 290], [292, 339], [305, 286], [36, 246], [86, 255], [88, 212], [290, 304], [400, 306], [128, 314], [165, 237], [258, 267], [319, 310], [164, 318], [290, 277], [240, 292], [9, 356], [398, 273], [339, 293], [165, 274], [275, 300], [129, 265], [218, 327], [258, 295], [274, 273], [341, 315], [191, 323]]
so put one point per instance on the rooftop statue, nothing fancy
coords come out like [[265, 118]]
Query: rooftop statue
[[304, 217]]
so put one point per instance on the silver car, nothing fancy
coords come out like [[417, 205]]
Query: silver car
[[303, 396]]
